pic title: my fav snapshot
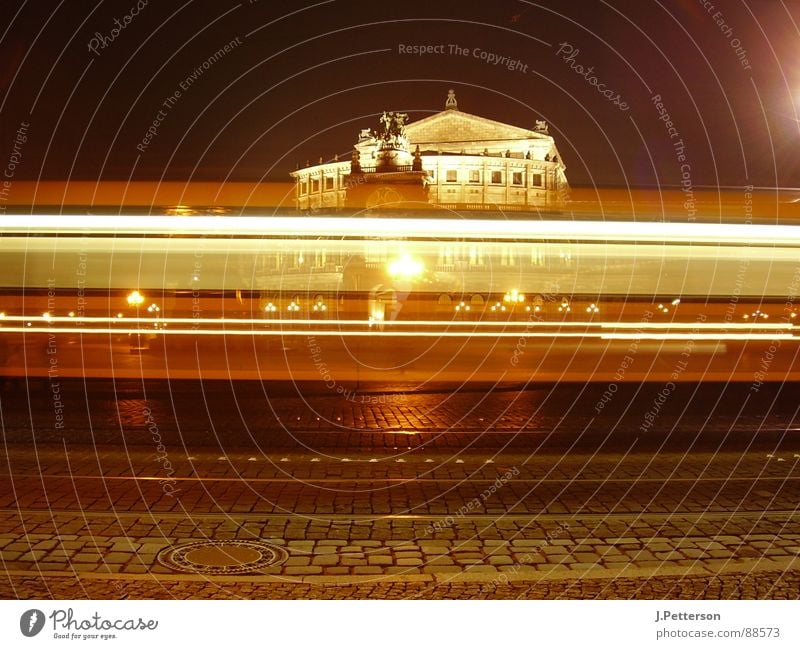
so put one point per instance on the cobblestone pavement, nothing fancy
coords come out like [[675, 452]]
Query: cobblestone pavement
[[422, 508], [270, 416]]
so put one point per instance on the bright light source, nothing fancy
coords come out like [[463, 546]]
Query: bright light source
[[135, 299], [676, 301], [406, 267]]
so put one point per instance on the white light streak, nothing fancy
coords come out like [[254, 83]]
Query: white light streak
[[338, 227]]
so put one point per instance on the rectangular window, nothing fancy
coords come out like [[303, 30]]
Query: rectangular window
[[314, 186], [452, 176], [474, 176], [516, 178], [303, 188], [497, 177], [536, 180], [328, 182]]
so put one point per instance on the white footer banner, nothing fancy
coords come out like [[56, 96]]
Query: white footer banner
[[353, 624]]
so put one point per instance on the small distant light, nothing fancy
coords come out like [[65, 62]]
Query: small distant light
[[46, 315], [119, 315], [2, 314], [676, 301], [71, 314]]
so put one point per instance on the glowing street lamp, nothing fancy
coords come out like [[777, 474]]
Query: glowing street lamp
[[514, 297], [135, 299], [406, 267], [155, 310]]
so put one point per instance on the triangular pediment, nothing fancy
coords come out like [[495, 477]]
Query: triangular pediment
[[457, 126]]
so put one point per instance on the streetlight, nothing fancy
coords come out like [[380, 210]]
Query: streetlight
[[135, 299], [406, 267], [154, 309]]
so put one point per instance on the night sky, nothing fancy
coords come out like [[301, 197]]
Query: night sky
[[300, 79]]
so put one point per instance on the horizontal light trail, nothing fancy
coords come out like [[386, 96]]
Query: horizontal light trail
[[767, 326], [404, 334], [334, 227], [311, 482]]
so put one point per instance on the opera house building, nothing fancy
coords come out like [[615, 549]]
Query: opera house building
[[451, 160]]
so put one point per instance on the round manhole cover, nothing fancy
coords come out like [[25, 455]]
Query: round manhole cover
[[232, 557]]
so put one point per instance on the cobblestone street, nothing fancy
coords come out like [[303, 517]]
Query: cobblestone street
[[498, 512]]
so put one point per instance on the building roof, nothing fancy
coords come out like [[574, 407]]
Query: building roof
[[456, 126]]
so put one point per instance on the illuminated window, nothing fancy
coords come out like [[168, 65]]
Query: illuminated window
[[328, 182], [452, 176], [536, 180], [474, 176], [516, 178], [497, 177]]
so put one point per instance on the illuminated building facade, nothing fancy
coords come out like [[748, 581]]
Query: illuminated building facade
[[451, 159]]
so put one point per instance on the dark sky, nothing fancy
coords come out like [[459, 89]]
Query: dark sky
[[304, 77]]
